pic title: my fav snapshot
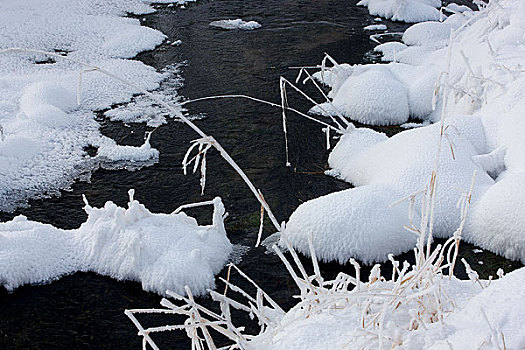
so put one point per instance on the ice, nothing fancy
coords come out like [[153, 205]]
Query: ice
[[115, 153], [235, 24], [161, 251], [375, 27], [47, 103]]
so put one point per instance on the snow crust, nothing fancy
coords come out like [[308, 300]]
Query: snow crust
[[482, 133], [46, 110], [161, 251], [235, 24]]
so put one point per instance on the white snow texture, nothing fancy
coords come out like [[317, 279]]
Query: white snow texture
[[46, 111], [235, 24], [162, 251]]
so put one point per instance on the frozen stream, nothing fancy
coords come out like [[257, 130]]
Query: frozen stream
[[86, 310]]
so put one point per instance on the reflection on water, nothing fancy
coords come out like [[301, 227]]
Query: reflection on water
[[86, 310]]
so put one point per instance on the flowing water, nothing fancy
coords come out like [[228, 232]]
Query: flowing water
[[85, 310]]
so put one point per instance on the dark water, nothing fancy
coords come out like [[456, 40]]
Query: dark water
[[86, 310]]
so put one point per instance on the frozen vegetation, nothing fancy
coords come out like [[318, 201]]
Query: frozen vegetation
[[235, 24], [162, 251], [47, 103]]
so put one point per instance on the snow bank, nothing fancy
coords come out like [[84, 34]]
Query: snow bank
[[161, 251], [462, 327], [235, 24], [482, 131], [409, 11], [42, 105]]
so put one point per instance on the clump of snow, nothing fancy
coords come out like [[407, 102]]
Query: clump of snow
[[375, 27], [390, 50], [235, 24], [46, 105], [161, 251], [372, 96], [115, 153], [409, 11], [339, 229]]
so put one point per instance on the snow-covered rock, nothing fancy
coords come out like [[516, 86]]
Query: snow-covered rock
[[409, 11]]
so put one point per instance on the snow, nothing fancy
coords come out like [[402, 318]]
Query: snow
[[390, 50], [409, 11], [371, 96], [463, 326], [375, 27], [482, 131], [467, 328], [161, 251], [339, 228], [235, 24], [45, 106]]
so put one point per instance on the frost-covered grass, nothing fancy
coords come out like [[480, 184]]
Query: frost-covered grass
[[420, 306]]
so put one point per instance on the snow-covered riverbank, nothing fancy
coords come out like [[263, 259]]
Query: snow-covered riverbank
[[480, 76], [47, 103]]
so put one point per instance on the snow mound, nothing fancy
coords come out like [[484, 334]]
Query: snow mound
[[390, 50], [161, 251], [496, 222], [371, 96], [482, 130], [405, 162], [340, 230], [409, 11], [235, 24]]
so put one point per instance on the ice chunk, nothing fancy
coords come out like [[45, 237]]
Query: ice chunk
[[235, 24]]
